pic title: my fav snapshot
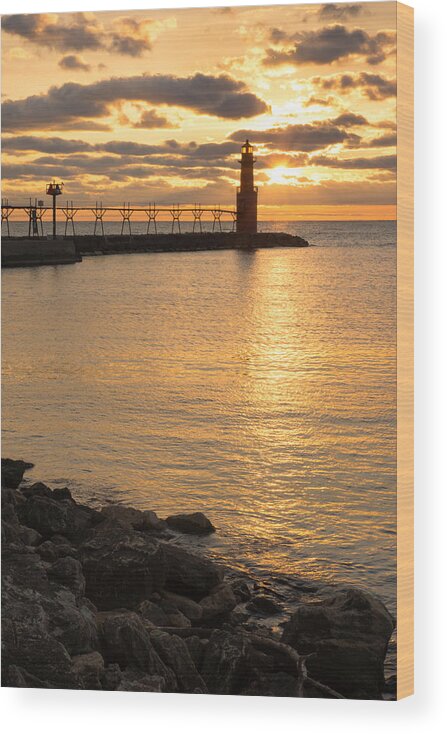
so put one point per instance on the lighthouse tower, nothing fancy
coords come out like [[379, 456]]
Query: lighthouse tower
[[247, 194]]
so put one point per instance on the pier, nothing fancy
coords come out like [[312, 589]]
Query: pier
[[229, 228]]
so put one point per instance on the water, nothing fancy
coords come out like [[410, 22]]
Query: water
[[258, 387]]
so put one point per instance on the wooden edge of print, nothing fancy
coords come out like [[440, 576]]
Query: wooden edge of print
[[405, 242]]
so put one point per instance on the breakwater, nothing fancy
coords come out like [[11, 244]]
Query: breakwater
[[187, 242], [25, 251], [112, 600]]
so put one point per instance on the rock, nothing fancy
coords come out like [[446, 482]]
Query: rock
[[196, 648], [195, 523], [152, 523], [125, 640], [188, 574], [17, 677], [13, 471], [111, 677], [30, 536], [68, 572], [263, 604], [73, 624], [48, 551], [188, 607], [38, 489], [241, 590], [223, 668], [44, 515], [278, 684], [127, 517], [88, 669], [121, 568], [153, 613], [62, 493], [348, 630], [219, 603], [175, 654], [132, 680]]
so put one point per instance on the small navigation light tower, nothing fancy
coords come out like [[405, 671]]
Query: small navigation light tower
[[54, 189], [247, 194]]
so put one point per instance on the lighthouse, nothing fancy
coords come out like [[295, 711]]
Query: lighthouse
[[247, 194]]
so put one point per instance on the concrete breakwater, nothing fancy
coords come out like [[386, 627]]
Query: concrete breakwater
[[187, 242], [26, 251]]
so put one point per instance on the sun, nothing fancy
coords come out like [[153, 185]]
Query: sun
[[284, 175]]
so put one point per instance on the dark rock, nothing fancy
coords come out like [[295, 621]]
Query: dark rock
[[127, 517], [263, 604], [188, 574], [195, 523], [223, 668], [153, 613], [111, 677], [188, 607], [17, 677], [348, 631], [196, 648], [38, 489], [125, 640], [280, 685], [73, 624], [13, 471], [44, 515], [219, 603], [88, 669], [121, 568], [133, 680], [30, 536], [241, 590], [175, 654], [48, 551], [68, 572], [62, 493]]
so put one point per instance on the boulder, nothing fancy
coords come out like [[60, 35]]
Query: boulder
[[44, 515], [260, 603], [348, 631], [62, 493], [175, 654], [38, 489], [219, 603], [188, 574], [13, 471], [196, 648], [134, 680], [125, 640], [72, 623], [121, 568], [68, 572], [223, 667], [151, 612], [194, 523], [88, 669], [127, 517], [191, 609]]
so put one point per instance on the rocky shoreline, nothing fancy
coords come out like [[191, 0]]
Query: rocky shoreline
[[108, 600]]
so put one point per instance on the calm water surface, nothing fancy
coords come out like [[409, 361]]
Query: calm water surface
[[258, 387]]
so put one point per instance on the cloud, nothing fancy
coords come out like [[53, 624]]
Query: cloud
[[320, 101], [373, 86], [349, 119], [333, 11], [127, 36], [64, 106], [383, 141], [73, 63], [303, 138], [329, 44], [19, 143], [387, 162], [71, 32], [150, 119]]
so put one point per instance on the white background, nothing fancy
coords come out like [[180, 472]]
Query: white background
[[73, 711]]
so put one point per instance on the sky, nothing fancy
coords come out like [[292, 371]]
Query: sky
[[153, 106]]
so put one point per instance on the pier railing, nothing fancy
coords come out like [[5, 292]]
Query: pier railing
[[176, 214]]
